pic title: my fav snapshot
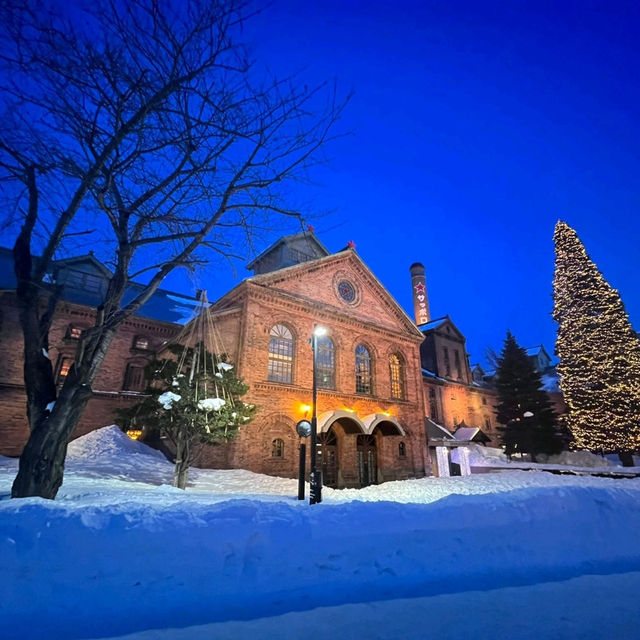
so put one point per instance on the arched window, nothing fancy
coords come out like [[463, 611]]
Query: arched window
[[402, 449], [280, 354], [363, 370], [396, 374], [325, 363], [277, 448]]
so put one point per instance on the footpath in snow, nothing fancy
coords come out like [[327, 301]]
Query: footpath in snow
[[121, 552]]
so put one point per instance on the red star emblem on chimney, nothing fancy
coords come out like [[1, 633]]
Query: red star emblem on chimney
[[419, 287]]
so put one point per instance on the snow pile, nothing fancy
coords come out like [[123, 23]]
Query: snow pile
[[582, 459], [482, 457], [109, 444]]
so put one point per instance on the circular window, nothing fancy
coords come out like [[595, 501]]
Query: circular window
[[347, 291]]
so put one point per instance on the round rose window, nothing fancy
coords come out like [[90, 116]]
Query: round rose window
[[347, 291]]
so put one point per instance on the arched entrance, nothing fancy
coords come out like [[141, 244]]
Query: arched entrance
[[367, 456], [328, 457]]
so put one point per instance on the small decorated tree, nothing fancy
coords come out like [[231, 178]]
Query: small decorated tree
[[192, 399], [599, 353]]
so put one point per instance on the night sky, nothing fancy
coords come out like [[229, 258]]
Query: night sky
[[475, 127]]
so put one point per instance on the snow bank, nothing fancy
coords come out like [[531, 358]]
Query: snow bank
[[145, 566], [120, 551]]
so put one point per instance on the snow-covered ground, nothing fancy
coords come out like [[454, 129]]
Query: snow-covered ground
[[121, 554]]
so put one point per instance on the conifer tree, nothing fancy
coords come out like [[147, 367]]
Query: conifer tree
[[599, 353], [524, 407]]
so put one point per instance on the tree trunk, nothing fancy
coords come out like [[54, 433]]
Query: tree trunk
[[626, 457], [41, 467], [181, 469]]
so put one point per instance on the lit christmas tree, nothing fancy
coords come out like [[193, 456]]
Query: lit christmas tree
[[599, 353]]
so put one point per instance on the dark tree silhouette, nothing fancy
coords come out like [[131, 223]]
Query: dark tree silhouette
[[143, 129]]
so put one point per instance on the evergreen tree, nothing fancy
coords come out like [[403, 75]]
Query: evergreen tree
[[524, 407], [599, 353], [190, 404]]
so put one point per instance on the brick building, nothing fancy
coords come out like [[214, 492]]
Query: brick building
[[379, 374], [370, 399], [83, 281]]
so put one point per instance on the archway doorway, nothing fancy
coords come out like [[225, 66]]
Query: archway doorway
[[367, 455], [328, 457]]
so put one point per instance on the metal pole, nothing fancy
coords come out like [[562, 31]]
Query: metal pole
[[301, 469], [315, 477]]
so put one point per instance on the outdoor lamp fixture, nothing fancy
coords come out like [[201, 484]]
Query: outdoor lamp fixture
[[315, 476], [303, 428]]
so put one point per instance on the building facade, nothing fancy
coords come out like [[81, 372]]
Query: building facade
[[379, 373]]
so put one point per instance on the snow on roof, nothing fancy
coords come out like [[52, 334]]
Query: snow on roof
[[465, 433], [436, 431], [432, 324]]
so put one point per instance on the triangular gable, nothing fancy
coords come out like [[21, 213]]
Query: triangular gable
[[319, 281], [87, 263], [440, 326]]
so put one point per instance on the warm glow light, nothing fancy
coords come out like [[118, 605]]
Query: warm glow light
[[348, 410], [386, 413], [319, 331], [305, 408], [134, 434]]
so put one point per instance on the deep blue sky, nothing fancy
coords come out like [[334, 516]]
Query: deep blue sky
[[476, 126]]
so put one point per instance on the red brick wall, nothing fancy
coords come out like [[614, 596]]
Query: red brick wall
[[377, 325], [108, 385]]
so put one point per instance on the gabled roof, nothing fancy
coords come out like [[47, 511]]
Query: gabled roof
[[344, 255], [470, 434], [308, 235], [437, 432], [165, 306], [433, 325], [86, 258], [537, 350]]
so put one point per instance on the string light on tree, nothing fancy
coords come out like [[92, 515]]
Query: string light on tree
[[599, 353]]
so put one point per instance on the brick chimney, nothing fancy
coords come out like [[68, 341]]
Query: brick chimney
[[420, 297]]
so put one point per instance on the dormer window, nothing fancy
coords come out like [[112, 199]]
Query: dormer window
[[141, 343], [82, 280]]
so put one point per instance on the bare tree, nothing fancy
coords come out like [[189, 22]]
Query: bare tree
[[146, 123]]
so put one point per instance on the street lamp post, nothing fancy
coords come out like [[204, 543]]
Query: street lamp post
[[315, 476]]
